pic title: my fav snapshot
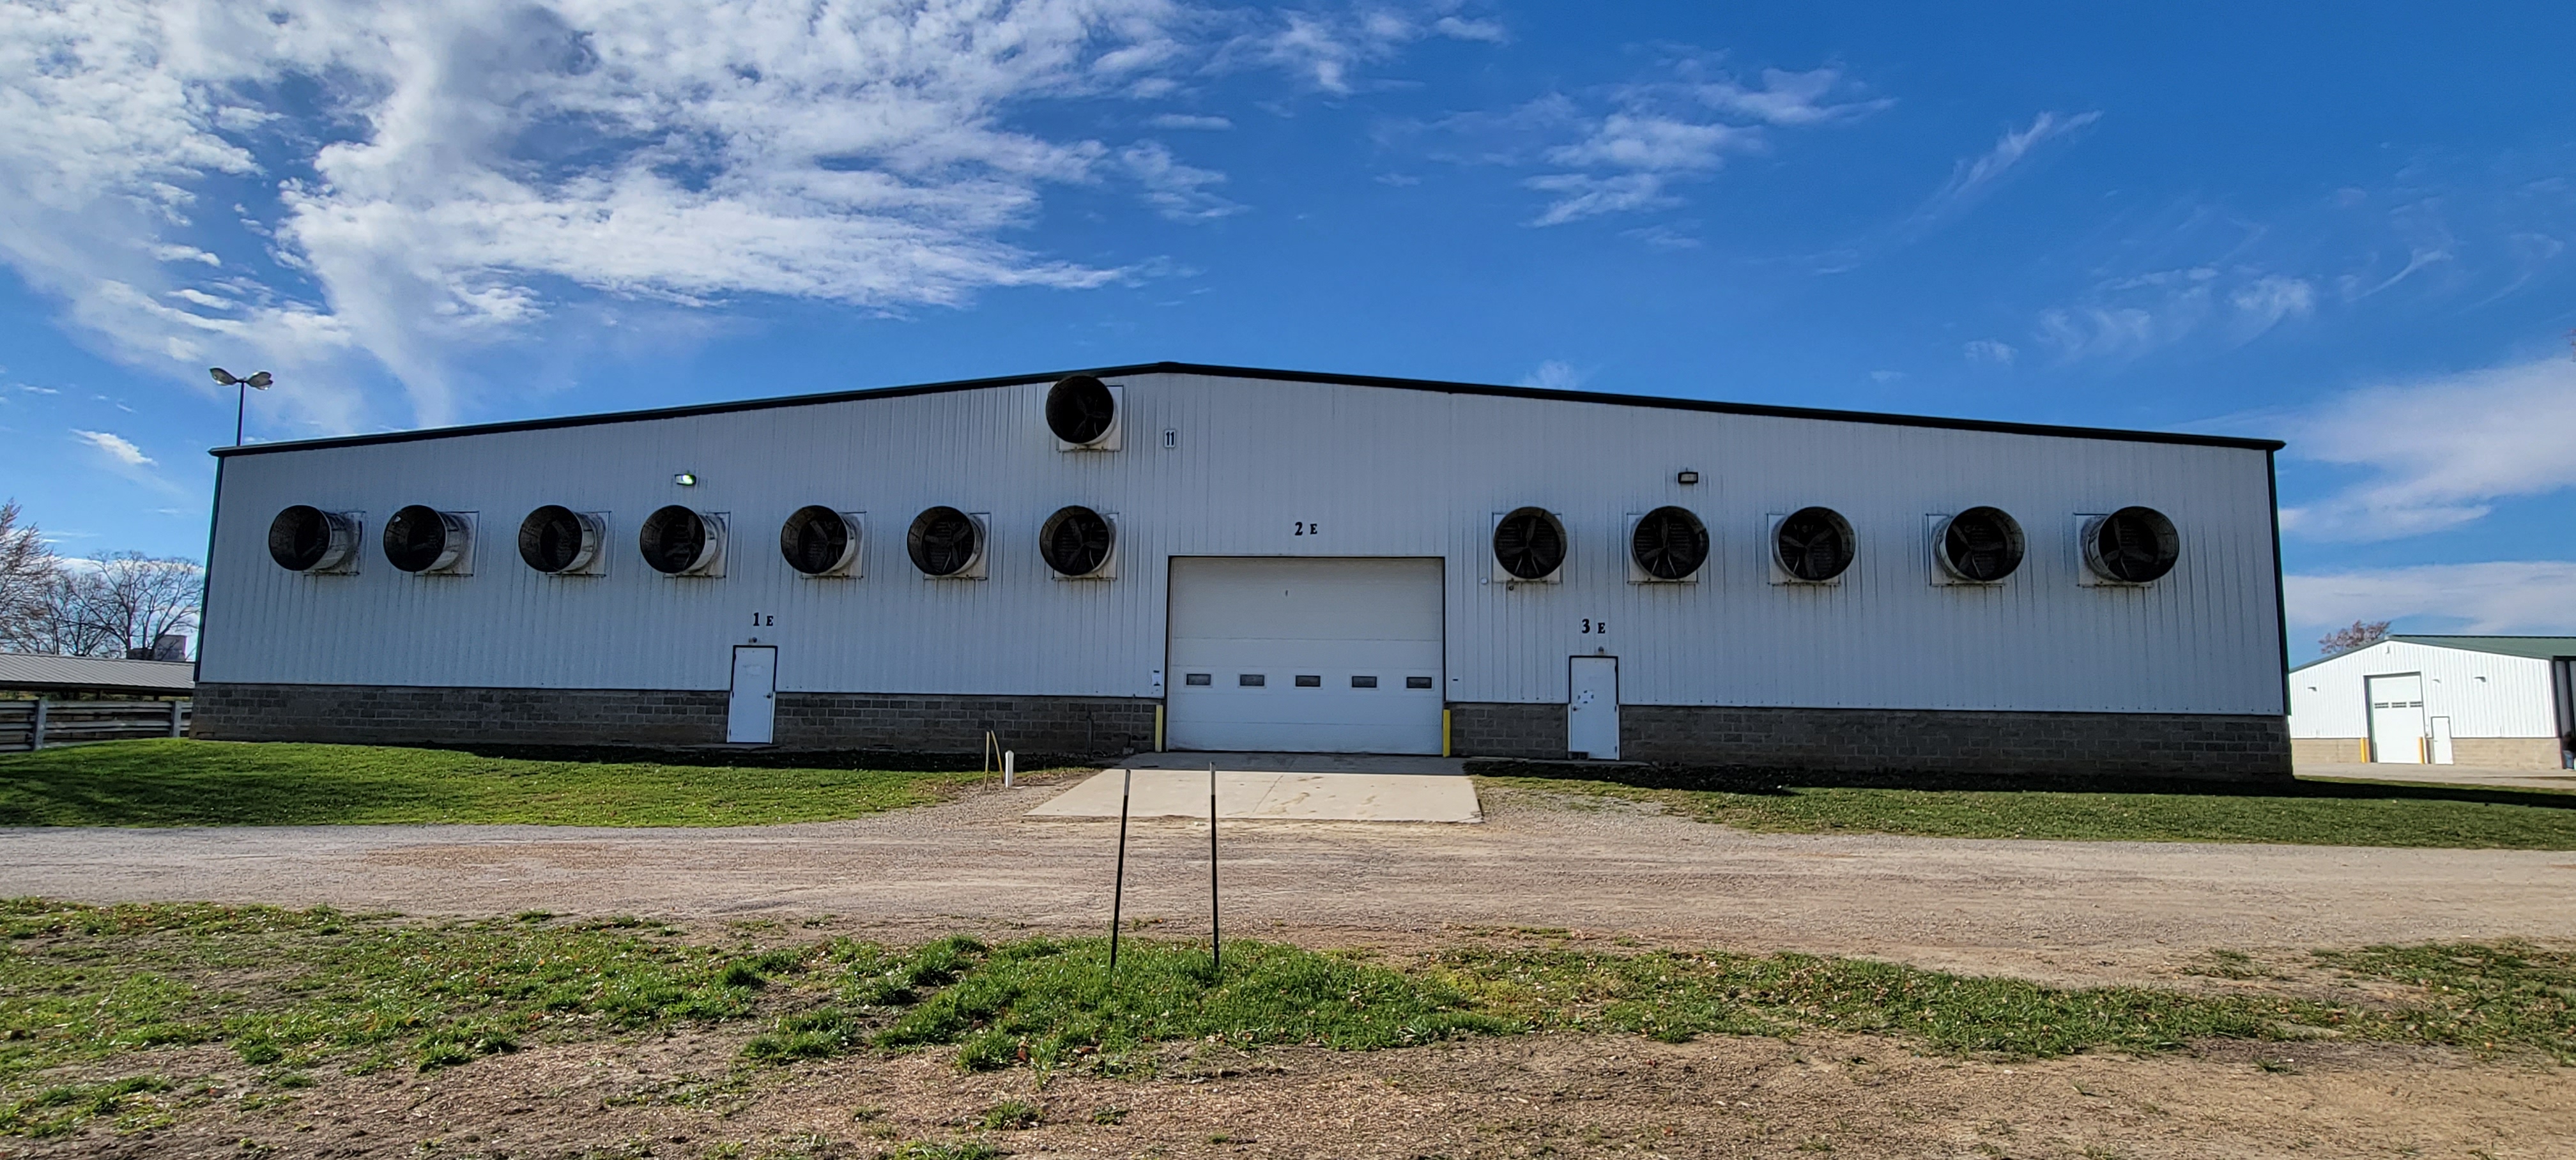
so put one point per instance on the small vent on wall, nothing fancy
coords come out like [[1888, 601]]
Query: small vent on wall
[[818, 541], [1084, 414], [1981, 545], [425, 541], [1529, 546], [2134, 545], [1666, 546], [304, 538], [1811, 546], [947, 544], [559, 541], [681, 541], [1078, 543]]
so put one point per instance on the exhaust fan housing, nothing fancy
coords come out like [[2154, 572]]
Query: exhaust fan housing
[[1085, 414], [559, 541], [1529, 547], [683, 541], [2131, 546], [1668, 545], [1812, 545], [1078, 543], [306, 539], [948, 544], [818, 541], [425, 541], [1981, 545]]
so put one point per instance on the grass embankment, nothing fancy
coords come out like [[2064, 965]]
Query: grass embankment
[[95, 1000], [214, 783], [2318, 813]]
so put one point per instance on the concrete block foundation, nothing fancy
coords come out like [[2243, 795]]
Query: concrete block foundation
[[1059, 727], [1900, 741]]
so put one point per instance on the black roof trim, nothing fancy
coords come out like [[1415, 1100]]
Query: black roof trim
[[1179, 368]]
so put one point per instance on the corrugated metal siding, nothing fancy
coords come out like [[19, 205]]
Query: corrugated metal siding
[[2484, 695], [1380, 472]]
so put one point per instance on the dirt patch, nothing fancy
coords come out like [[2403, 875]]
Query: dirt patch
[[1574, 1095]]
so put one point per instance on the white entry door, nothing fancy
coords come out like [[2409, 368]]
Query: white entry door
[[1305, 655], [751, 716], [1592, 711], [2396, 718]]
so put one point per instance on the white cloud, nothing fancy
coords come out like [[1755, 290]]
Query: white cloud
[[1554, 376], [2504, 596], [1188, 121], [116, 447], [2439, 452], [449, 170], [1457, 28], [2268, 301], [1886, 376], [2129, 316], [1972, 178], [1987, 350], [1176, 191], [1662, 132]]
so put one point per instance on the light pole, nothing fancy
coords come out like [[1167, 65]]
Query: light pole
[[241, 400]]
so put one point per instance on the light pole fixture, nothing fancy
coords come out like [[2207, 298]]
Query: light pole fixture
[[241, 401]]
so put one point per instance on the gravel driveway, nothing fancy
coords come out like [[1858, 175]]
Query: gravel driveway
[[2055, 911]]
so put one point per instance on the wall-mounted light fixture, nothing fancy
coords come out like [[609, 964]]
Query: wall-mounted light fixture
[[685, 479], [1688, 477]]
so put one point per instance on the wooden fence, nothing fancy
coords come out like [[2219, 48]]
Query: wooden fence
[[26, 725]]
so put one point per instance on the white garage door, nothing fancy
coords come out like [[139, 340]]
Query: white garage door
[[1305, 655]]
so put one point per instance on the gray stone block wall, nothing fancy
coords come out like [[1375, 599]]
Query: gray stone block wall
[[1489, 729], [938, 723], [1059, 727], [413, 715], [1900, 741]]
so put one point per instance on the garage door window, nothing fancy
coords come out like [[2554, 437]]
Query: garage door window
[[1363, 682], [1199, 679], [1417, 682], [1252, 680]]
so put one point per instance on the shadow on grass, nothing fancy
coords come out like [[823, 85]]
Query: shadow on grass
[[1773, 782]]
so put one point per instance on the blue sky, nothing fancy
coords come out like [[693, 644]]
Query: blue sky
[[2345, 226]]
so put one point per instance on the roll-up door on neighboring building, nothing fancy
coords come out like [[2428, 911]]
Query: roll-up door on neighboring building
[[2396, 718], [1330, 655]]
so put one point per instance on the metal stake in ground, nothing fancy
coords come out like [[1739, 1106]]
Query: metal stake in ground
[[1216, 922], [1118, 889]]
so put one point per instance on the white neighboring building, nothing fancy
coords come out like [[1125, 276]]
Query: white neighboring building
[[2500, 701]]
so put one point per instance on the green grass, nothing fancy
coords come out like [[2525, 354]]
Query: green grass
[[2303, 813], [211, 783], [285, 991], [94, 1000]]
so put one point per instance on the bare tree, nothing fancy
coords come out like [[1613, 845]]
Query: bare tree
[[138, 598], [2362, 634], [27, 570]]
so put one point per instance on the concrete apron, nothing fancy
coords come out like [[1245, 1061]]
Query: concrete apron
[[1277, 787]]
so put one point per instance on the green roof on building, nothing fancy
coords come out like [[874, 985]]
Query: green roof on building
[[2537, 647]]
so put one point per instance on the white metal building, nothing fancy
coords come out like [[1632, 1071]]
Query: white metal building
[[2501, 701], [1223, 558]]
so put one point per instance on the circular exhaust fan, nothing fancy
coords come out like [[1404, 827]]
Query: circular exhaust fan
[[944, 542], [1076, 541], [555, 538], [1814, 544], [677, 541], [1529, 543], [1669, 543], [1981, 545], [304, 538], [1080, 410], [2134, 545], [421, 538], [818, 541]]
